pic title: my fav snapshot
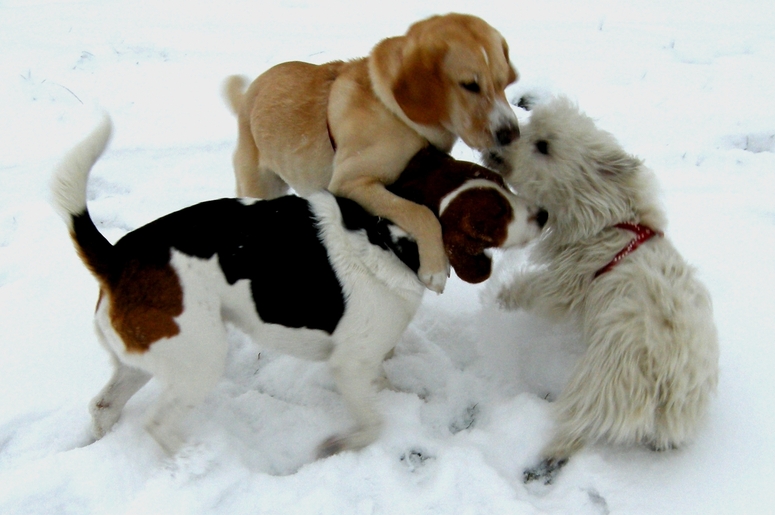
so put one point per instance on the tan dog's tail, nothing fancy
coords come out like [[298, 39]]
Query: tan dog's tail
[[68, 188], [234, 91]]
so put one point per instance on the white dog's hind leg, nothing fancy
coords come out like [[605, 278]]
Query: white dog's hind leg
[[611, 395]]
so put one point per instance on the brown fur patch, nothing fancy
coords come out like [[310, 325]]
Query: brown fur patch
[[420, 89], [432, 174], [144, 303], [476, 220]]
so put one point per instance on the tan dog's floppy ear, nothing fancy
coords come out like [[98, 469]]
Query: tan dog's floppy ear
[[419, 87], [513, 76], [476, 220]]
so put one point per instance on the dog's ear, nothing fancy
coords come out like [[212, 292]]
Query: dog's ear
[[513, 76], [616, 162], [419, 88], [473, 222], [471, 268], [466, 254]]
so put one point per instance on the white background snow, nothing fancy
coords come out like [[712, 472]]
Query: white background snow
[[686, 85]]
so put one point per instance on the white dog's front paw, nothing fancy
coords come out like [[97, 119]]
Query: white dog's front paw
[[510, 297]]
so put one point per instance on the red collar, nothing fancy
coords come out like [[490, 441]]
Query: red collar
[[642, 234]]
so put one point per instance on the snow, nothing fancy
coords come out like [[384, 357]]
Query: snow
[[686, 85]]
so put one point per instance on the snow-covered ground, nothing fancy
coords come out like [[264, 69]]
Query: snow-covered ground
[[686, 85]]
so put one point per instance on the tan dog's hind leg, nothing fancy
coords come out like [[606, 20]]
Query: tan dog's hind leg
[[252, 180]]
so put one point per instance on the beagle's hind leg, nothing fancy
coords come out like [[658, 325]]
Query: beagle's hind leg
[[356, 362], [107, 406], [188, 367]]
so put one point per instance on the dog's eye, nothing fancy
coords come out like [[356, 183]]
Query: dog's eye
[[471, 86], [543, 146]]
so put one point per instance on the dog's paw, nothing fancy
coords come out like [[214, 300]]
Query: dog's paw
[[435, 281], [660, 446], [351, 441], [332, 445], [169, 440], [510, 297], [545, 471]]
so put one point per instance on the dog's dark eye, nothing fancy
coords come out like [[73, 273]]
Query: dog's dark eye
[[543, 146], [472, 86]]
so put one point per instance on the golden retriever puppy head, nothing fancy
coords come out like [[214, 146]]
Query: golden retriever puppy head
[[449, 72]]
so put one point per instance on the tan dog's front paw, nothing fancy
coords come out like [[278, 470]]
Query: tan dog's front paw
[[434, 281]]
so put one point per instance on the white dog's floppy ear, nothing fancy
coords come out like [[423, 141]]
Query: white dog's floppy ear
[[616, 162]]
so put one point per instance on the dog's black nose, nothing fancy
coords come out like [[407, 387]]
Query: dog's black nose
[[507, 134], [542, 217]]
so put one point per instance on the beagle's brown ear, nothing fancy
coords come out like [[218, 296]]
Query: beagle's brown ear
[[473, 222], [470, 267], [419, 88]]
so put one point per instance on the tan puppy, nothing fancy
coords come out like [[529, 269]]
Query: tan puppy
[[352, 126]]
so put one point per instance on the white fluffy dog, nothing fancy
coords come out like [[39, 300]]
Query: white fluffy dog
[[652, 359]]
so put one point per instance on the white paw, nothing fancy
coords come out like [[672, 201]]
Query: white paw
[[381, 382], [509, 298]]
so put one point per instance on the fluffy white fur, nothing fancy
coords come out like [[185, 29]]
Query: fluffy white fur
[[652, 359]]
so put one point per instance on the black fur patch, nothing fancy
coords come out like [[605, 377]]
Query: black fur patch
[[274, 244], [378, 231]]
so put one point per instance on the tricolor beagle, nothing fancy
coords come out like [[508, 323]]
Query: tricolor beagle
[[318, 278]]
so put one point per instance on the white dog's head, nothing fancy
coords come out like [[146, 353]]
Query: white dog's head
[[577, 172]]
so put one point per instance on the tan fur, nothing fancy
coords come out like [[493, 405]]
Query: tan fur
[[412, 90]]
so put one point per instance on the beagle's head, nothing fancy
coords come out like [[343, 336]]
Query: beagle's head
[[476, 210], [449, 72]]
